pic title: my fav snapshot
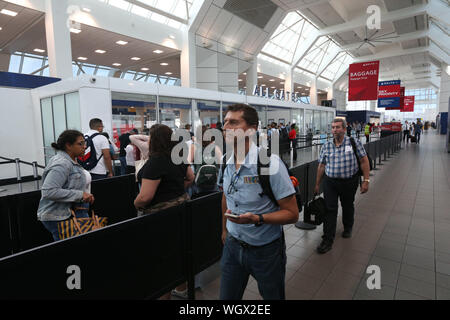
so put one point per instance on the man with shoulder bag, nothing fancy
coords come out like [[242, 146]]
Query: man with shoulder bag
[[342, 162]]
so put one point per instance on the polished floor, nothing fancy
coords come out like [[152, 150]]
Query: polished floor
[[402, 225]]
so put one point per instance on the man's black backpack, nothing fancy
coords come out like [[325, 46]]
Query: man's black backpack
[[264, 181], [89, 160]]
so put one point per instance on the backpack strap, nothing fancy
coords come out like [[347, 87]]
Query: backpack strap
[[352, 141], [93, 145], [223, 166], [264, 180]]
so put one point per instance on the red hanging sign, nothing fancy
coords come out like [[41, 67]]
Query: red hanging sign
[[401, 101], [363, 81], [409, 104]]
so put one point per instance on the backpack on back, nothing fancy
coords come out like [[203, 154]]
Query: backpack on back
[[89, 160], [206, 174]]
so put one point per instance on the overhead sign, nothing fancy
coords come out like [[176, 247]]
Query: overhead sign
[[363, 81], [402, 101], [389, 94], [408, 104]]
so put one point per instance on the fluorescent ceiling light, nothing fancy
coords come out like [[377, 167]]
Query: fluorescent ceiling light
[[75, 30], [121, 42], [145, 69], [100, 51], [158, 51], [116, 64], [240, 80], [164, 64], [9, 12], [272, 87], [272, 80], [263, 85], [86, 9], [171, 36], [135, 58], [168, 73], [82, 58], [39, 50], [260, 77]]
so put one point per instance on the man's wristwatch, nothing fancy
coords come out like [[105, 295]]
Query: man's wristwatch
[[260, 222]]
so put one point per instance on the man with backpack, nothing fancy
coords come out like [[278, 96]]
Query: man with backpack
[[338, 165], [97, 158], [252, 220]]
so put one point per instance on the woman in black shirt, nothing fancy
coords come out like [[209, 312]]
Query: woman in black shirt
[[163, 182]]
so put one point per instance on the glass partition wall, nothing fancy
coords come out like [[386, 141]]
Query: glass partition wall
[[58, 113]]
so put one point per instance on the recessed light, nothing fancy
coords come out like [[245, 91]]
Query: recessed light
[[260, 77], [39, 50], [100, 51], [245, 73], [272, 87], [272, 80], [1, 28], [171, 36], [136, 58], [263, 85], [168, 73], [9, 12], [158, 51], [121, 42], [75, 30], [145, 69], [240, 80], [86, 9], [82, 58], [116, 64], [164, 64]]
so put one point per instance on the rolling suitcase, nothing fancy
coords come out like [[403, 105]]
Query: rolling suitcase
[[413, 139]]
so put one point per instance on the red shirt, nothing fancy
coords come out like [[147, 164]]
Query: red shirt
[[292, 134]]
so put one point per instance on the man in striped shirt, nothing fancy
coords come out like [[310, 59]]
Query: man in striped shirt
[[338, 166]]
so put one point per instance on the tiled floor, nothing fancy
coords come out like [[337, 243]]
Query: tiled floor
[[402, 225]]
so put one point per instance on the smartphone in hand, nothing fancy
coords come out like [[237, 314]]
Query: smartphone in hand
[[232, 215]]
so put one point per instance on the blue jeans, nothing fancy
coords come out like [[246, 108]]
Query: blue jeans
[[267, 264], [123, 166], [52, 226]]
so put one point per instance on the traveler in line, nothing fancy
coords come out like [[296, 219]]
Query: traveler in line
[[124, 140], [417, 131], [349, 130], [103, 169], [358, 129], [65, 183], [367, 132], [406, 133], [130, 158], [113, 150], [253, 242], [338, 166], [163, 183], [293, 139]]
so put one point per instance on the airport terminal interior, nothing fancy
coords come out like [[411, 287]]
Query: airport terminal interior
[[382, 66]]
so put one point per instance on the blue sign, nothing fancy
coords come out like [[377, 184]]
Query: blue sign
[[389, 94]]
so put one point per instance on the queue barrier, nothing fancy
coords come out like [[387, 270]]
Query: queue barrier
[[136, 258], [20, 229]]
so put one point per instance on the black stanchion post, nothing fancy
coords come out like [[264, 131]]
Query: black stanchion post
[[379, 152], [189, 254], [300, 224]]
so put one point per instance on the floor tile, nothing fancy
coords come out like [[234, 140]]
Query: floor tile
[[417, 287]]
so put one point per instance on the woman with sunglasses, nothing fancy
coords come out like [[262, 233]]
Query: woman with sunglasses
[[66, 184]]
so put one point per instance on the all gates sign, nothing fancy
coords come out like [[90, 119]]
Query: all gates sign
[[363, 81]]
